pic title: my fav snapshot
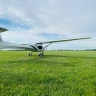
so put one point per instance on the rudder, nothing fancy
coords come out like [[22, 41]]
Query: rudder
[[2, 30], [1, 40]]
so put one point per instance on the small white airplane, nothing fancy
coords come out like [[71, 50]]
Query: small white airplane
[[38, 47]]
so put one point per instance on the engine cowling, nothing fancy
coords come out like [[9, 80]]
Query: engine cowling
[[37, 47], [40, 47]]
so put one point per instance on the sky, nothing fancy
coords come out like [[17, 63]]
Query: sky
[[33, 21]]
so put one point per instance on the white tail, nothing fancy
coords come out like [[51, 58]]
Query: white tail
[[1, 40], [2, 30]]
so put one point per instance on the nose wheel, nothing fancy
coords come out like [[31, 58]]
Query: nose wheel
[[41, 54]]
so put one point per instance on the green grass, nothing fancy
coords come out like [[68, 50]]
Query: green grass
[[57, 73]]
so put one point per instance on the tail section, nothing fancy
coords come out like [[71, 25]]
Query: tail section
[[1, 40], [2, 30]]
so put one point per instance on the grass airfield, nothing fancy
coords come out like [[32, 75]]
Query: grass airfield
[[57, 73]]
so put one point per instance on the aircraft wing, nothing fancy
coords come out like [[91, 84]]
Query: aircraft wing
[[3, 29], [63, 40]]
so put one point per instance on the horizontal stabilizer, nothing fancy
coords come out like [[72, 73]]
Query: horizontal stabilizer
[[3, 29]]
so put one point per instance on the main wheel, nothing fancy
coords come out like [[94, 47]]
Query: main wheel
[[30, 54], [41, 54]]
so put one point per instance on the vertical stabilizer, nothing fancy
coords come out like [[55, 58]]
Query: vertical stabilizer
[[2, 30], [1, 40]]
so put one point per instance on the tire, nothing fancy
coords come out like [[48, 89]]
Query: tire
[[30, 54]]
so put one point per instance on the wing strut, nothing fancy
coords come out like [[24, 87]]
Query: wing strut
[[47, 46]]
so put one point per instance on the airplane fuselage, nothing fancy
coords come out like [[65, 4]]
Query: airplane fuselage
[[8, 45]]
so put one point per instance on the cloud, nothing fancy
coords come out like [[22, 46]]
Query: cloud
[[44, 20]]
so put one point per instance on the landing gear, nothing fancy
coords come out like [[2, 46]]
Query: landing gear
[[30, 54], [41, 54]]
